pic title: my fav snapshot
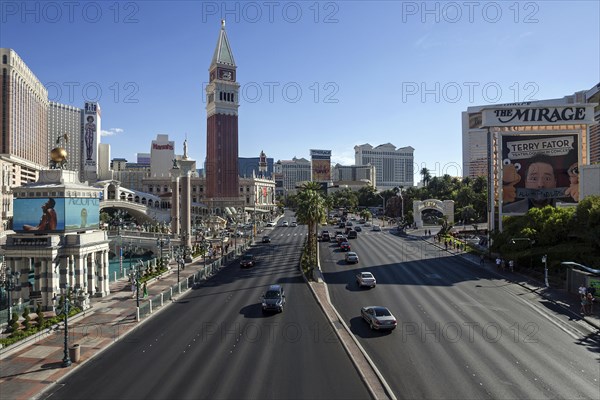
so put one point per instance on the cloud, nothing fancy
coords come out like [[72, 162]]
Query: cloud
[[111, 132]]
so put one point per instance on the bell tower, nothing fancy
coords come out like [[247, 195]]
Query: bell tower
[[222, 102]]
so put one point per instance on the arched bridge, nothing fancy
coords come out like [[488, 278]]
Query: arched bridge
[[140, 212]]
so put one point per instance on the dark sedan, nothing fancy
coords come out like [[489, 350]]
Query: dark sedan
[[247, 261], [345, 246]]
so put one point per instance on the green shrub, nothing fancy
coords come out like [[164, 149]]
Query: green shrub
[[41, 319], [27, 318]]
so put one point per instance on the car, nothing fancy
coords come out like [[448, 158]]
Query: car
[[294, 224], [349, 223], [266, 239], [367, 223], [351, 257], [379, 317], [270, 224], [285, 223], [365, 279], [352, 234], [273, 299], [361, 221], [325, 237], [376, 228], [358, 228], [345, 246], [340, 239], [247, 261]]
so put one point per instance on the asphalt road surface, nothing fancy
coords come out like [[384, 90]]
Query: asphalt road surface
[[463, 333], [215, 342]]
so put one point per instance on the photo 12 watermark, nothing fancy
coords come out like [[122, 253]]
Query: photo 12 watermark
[[71, 92], [470, 92], [287, 92], [453, 12], [271, 11], [53, 12]]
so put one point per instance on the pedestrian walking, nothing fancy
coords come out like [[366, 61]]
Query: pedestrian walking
[[584, 306], [590, 302], [582, 290], [145, 290], [502, 264], [481, 260], [511, 266], [498, 262]]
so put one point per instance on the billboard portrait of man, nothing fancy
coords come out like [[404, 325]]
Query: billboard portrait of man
[[90, 133], [538, 170]]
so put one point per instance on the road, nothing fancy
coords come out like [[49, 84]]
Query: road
[[462, 332], [215, 342]]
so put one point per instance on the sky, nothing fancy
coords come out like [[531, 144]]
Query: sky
[[314, 75]]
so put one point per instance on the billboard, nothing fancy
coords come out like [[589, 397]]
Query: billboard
[[91, 136], [54, 214], [538, 115], [321, 170], [321, 165], [539, 170]]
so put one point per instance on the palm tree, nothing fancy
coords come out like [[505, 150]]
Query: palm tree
[[426, 176], [311, 211]]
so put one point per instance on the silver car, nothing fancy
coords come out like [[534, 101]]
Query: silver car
[[378, 317], [351, 257], [365, 279]]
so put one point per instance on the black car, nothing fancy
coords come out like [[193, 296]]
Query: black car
[[266, 239], [357, 228], [247, 261], [273, 299]]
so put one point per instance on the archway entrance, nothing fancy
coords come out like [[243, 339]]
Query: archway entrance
[[446, 207]]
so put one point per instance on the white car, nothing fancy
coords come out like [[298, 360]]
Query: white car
[[270, 224], [365, 279], [351, 257], [285, 223]]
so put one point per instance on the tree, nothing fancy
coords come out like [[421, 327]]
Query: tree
[[426, 176], [311, 211]]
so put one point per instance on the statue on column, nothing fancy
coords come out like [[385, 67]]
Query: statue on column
[[185, 156]]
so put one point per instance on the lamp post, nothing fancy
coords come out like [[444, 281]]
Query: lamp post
[[9, 280], [160, 242], [531, 243], [65, 311], [545, 261], [135, 279], [382, 198]]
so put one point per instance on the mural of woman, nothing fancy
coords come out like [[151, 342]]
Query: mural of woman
[[90, 132]]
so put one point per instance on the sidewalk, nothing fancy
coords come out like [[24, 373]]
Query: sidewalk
[[29, 368], [567, 303]]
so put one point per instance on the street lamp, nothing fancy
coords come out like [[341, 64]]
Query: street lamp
[[135, 279], [545, 261], [401, 203], [66, 306], [160, 242], [9, 280], [531, 243], [382, 198]]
